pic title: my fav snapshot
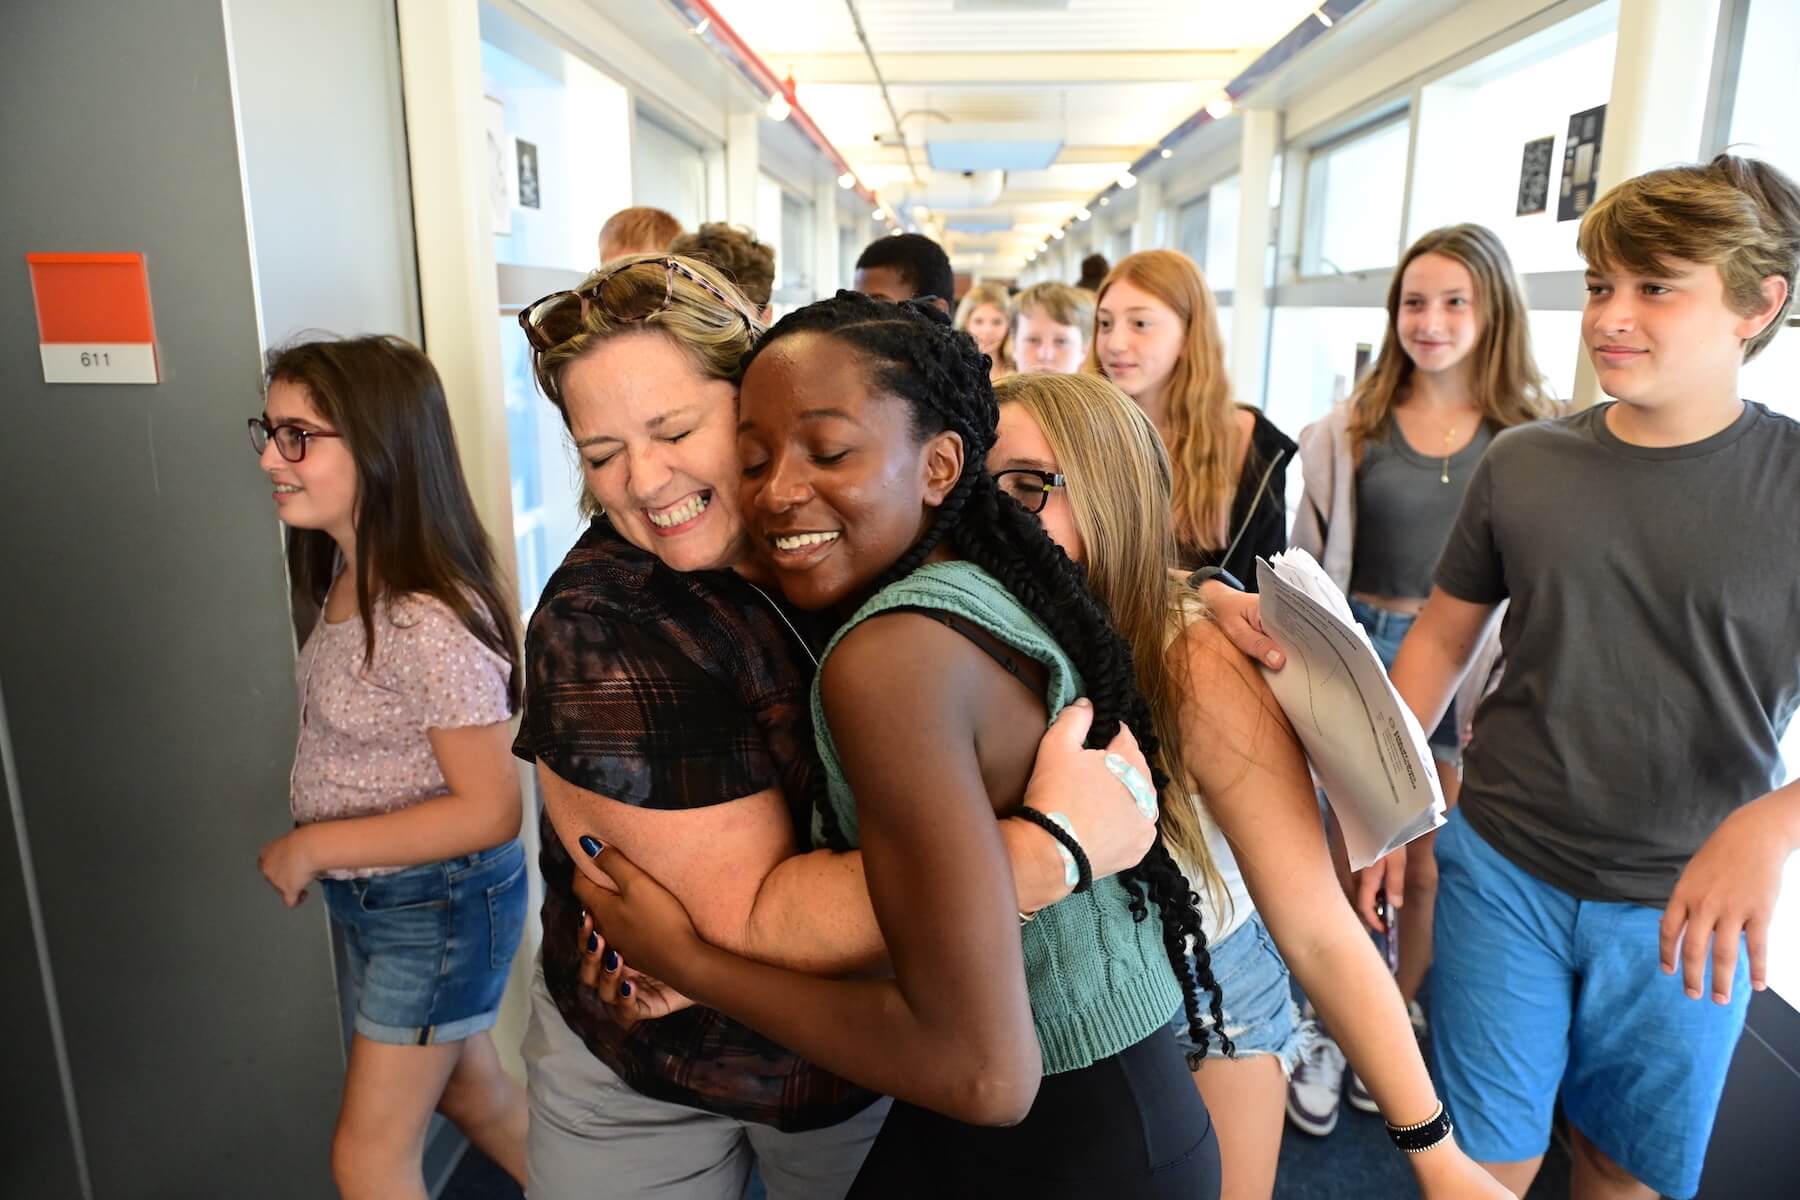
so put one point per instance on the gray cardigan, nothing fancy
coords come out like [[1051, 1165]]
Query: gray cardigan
[[1325, 527]]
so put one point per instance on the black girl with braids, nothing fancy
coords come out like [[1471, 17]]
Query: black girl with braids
[[1037, 1053]]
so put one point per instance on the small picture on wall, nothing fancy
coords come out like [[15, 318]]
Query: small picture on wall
[[497, 167], [1581, 163], [528, 174], [1534, 177]]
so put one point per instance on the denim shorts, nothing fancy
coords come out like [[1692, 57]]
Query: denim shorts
[[1386, 630], [430, 947], [1535, 993], [1257, 999]]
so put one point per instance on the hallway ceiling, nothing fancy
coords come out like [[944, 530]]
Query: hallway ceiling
[[1062, 95]]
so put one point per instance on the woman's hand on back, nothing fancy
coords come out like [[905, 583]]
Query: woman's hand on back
[[641, 920], [629, 995], [1089, 787]]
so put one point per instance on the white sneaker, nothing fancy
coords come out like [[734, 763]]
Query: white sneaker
[[1316, 1087]]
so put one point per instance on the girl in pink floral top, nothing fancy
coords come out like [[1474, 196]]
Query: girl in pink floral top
[[404, 796]]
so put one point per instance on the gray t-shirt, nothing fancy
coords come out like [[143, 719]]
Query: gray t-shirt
[[1405, 505], [1652, 643]]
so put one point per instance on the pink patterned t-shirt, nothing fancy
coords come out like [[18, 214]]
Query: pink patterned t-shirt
[[363, 746]]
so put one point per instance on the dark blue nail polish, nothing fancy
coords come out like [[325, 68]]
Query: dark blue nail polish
[[610, 960], [625, 988], [593, 941], [591, 846]]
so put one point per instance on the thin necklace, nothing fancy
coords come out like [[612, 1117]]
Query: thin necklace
[[784, 620]]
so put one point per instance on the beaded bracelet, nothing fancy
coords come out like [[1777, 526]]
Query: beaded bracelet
[[1416, 1139], [1077, 872]]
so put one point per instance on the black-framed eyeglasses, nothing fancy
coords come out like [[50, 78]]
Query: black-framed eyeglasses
[[551, 320], [290, 440], [1030, 486]]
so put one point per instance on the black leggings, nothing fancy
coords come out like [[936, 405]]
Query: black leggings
[[1128, 1127]]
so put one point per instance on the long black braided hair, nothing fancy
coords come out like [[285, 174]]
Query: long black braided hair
[[913, 354]]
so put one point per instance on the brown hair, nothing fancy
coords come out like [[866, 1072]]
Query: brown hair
[[640, 230], [748, 263], [1509, 388], [714, 336], [1203, 436], [1119, 490], [1740, 215], [416, 528]]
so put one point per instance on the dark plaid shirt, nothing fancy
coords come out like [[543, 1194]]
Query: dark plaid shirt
[[670, 690]]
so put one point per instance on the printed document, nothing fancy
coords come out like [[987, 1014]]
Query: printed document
[[1366, 747]]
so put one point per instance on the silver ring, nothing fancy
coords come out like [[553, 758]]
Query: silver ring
[[1142, 794]]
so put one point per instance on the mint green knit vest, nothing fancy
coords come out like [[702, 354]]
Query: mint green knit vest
[[1099, 981]]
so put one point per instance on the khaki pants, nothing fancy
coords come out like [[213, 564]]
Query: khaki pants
[[594, 1138]]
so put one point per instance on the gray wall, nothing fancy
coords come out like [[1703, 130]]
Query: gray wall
[[147, 664]]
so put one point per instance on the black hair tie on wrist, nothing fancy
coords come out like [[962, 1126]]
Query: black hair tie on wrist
[[1416, 1139], [1068, 842]]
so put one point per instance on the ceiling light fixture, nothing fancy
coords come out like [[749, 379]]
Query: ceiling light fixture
[[879, 214], [1105, 200], [1057, 234], [704, 25], [1324, 20], [1167, 153], [847, 180], [1219, 107], [778, 107], [1126, 180], [1082, 214]]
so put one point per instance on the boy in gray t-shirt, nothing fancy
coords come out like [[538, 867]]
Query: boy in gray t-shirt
[[1626, 761]]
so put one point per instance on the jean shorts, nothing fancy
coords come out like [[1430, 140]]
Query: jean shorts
[[1535, 994], [1256, 996], [1386, 630], [430, 947]]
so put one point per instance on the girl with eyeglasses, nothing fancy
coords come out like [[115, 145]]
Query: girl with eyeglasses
[[666, 713], [1239, 814], [405, 800]]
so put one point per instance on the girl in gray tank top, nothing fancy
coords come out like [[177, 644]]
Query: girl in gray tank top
[[1455, 369]]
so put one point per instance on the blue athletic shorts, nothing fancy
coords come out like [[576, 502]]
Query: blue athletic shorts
[[1256, 997], [430, 946], [1534, 991], [1386, 630]]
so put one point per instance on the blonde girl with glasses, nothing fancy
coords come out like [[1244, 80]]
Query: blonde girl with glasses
[[1239, 812]]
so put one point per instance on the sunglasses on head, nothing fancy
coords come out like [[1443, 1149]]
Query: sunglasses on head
[[554, 319]]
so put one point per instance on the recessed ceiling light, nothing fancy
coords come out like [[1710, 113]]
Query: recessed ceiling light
[[1082, 214], [1220, 107], [778, 107], [1167, 153], [1127, 180], [847, 180]]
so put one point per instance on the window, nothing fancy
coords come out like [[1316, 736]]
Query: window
[[569, 126], [1190, 229], [1355, 191], [794, 270], [1762, 126], [1475, 124], [668, 172], [1220, 262]]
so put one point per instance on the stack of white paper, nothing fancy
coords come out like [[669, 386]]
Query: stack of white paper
[[1366, 747]]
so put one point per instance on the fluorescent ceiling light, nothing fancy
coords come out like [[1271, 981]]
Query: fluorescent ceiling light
[[991, 155]]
